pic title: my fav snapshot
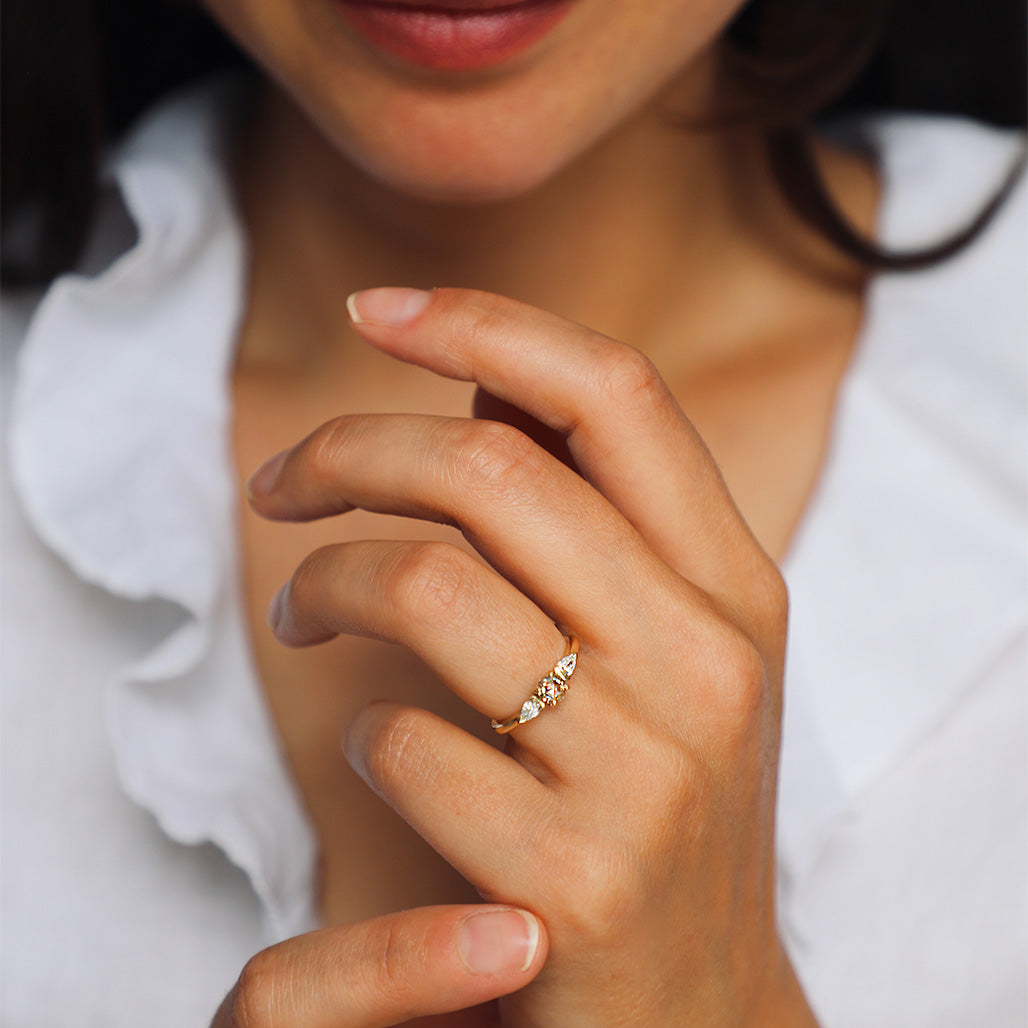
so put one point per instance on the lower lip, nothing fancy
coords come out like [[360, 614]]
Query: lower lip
[[452, 39]]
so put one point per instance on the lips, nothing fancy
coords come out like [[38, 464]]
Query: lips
[[446, 6], [453, 35]]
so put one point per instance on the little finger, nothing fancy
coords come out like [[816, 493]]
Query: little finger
[[480, 810]]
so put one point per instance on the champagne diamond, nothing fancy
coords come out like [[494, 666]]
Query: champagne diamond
[[551, 689]]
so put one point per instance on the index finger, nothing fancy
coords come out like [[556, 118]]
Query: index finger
[[624, 428]]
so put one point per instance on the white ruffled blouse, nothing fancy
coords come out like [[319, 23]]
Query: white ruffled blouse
[[153, 839]]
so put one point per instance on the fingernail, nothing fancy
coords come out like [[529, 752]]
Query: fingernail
[[498, 941], [265, 478], [389, 306], [276, 608]]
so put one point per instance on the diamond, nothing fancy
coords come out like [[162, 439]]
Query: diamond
[[566, 665], [550, 689], [532, 708]]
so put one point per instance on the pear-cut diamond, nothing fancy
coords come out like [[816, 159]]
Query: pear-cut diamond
[[566, 665], [532, 708]]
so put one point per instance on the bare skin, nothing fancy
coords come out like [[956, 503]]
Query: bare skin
[[560, 181], [752, 335]]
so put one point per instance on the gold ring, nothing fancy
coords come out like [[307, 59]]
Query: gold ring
[[549, 692]]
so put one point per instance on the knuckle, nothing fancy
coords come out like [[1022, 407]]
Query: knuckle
[[430, 582], [255, 1000], [310, 594], [322, 453], [764, 606], [400, 957], [774, 599], [669, 787], [478, 320], [498, 460], [305, 585], [607, 893], [384, 963], [603, 884], [396, 749], [668, 780], [628, 381], [744, 683], [743, 663]]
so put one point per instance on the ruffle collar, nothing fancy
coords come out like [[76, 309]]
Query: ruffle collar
[[120, 446]]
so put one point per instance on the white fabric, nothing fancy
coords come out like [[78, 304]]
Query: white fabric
[[153, 839]]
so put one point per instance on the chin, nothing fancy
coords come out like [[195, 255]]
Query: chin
[[466, 183], [457, 162]]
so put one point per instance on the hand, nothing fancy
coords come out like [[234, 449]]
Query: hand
[[387, 970], [636, 819]]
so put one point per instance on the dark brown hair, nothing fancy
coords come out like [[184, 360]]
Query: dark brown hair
[[792, 60], [77, 72]]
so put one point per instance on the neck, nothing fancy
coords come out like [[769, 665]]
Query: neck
[[657, 225]]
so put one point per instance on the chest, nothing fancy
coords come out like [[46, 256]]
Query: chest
[[766, 423]]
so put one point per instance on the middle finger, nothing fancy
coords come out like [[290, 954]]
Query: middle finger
[[538, 523]]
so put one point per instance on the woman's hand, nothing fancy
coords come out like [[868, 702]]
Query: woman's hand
[[390, 969], [636, 819]]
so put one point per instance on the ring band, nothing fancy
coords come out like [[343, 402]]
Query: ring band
[[549, 692]]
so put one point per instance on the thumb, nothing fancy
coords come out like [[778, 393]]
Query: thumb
[[432, 960]]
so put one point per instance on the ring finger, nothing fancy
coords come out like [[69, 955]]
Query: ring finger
[[487, 642]]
